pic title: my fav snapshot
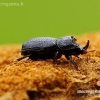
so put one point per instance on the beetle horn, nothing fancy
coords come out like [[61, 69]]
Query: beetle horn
[[85, 48]]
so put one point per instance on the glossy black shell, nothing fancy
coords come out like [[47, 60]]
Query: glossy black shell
[[40, 44]]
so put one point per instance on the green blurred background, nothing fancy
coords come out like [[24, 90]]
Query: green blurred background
[[54, 18]]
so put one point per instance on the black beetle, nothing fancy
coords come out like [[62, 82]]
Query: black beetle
[[52, 48]]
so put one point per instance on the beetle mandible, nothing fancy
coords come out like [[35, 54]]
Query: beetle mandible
[[52, 48]]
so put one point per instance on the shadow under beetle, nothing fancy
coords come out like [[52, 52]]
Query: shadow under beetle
[[52, 48]]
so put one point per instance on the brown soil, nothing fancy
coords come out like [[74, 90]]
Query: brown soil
[[43, 80]]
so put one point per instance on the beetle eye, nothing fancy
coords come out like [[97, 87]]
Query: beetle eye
[[74, 39]]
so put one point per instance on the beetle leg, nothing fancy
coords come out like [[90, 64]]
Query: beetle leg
[[72, 61], [23, 57], [77, 56], [27, 60], [55, 57]]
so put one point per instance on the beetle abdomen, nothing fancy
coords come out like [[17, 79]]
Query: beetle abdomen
[[43, 55]]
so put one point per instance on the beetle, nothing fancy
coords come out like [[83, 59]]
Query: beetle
[[52, 48]]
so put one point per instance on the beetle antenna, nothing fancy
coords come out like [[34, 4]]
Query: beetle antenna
[[91, 51], [23, 57], [85, 48]]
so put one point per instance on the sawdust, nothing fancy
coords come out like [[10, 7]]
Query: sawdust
[[43, 80]]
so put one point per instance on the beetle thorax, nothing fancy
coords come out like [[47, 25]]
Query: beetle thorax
[[66, 43]]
